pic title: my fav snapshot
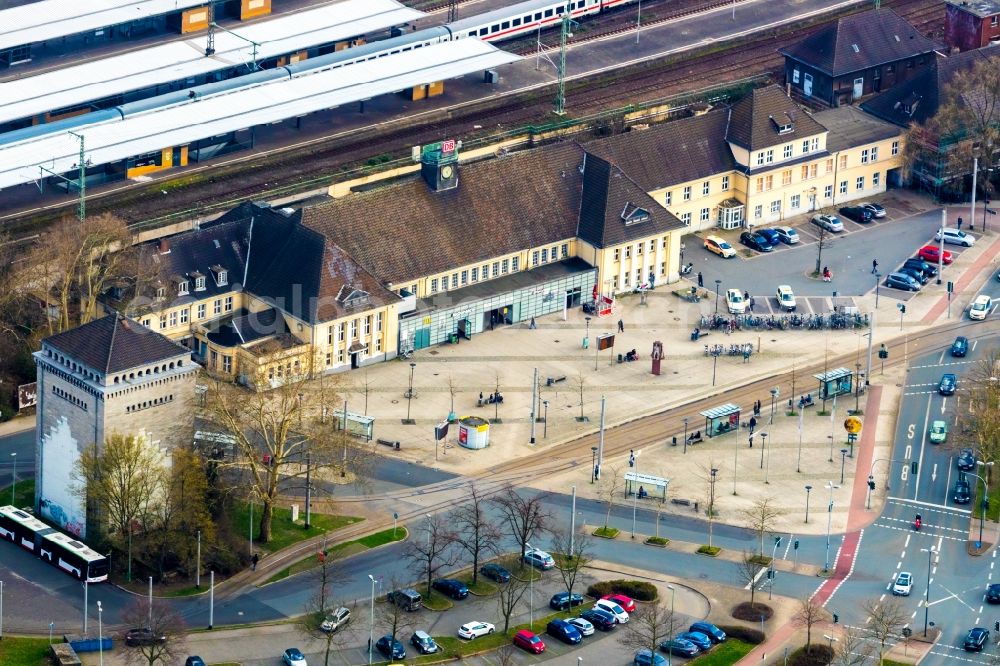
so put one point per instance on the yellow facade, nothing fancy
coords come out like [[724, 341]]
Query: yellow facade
[[627, 266], [697, 202]]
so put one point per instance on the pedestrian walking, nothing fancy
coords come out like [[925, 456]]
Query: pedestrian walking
[[532, 325], [621, 326], [701, 281], [253, 562], [874, 266], [753, 424], [751, 441], [959, 224]]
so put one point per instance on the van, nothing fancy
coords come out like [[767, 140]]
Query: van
[[408, 599]]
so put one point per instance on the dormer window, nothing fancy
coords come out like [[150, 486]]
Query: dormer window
[[221, 275], [784, 124], [182, 285], [351, 297], [633, 214], [199, 281], [161, 292]]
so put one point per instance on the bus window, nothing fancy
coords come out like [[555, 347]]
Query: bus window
[[483, 31], [548, 13], [505, 25], [516, 22], [538, 16]]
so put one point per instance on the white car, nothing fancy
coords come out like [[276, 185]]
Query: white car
[[585, 627], [336, 619], [611, 607], [786, 298], [980, 307], [471, 630], [735, 301], [955, 237], [828, 222], [293, 657], [903, 584], [539, 559]]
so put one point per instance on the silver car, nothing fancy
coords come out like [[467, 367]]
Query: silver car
[[828, 222]]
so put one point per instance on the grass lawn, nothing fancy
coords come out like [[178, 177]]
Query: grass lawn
[[435, 601], [343, 549], [727, 653], [284, 532], [606, 532], [24, 493], [709, 550], [992, 513], [24, 651], [483, 586]]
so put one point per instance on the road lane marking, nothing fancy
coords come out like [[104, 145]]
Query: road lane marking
[[930, 505]]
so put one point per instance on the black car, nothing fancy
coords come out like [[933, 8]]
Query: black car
[[966, 460], [857, 213], [390, 647], [914, 273], [930, 270], [495, 572], [423, 642], [962, 494], [960, 347], [563, 601], [993, 593], [947, 384], [603, 620], [976, 639], [755, 241], [455, 589], [137, 637]]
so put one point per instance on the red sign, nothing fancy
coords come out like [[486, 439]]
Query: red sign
[[448, 146]]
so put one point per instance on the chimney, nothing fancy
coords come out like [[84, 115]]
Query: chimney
[[164, 246]]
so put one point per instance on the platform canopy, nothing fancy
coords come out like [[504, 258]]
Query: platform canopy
[[721, 411], [95, 80], [833, 375], [214, 115]]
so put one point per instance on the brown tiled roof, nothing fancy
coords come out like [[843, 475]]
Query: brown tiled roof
[[406, 230], [916, 100], [114, 343], [860, 41], [755, 120], [614, 209], [672, 152]]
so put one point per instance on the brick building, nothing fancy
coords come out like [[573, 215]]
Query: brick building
[[971, 24]]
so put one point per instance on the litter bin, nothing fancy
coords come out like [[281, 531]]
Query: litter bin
[[586, 343], [453, 338]]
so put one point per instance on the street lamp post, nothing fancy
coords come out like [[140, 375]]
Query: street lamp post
[[843, 460], [717, 283], [878, 282], [763, 447], [672, 590], [927, 591], [586, 337], [371, 622], [774, 396], [100, 632], [593, 463], [545, 427], [685, 419], [829, 519], [13, 479], [808, 490], [635, 491], [983, 504], [711, 506], [409, 396]]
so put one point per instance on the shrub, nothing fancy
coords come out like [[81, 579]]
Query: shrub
[[746, 634], [752, 612], [606, 532], [818, 655], [709, 550], [657, 541], [636, 589]]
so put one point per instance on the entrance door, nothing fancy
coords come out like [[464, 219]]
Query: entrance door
[[422, 338], [355, 360], [573, 298], [465, 329], [807, 85], [859, 87]]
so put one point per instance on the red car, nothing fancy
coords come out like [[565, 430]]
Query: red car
[[625, 602], [531, 642], [929, 253]]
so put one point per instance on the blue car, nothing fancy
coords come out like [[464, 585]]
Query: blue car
[[647, 658], [717, 635], [772, 236], [390, 647], [948, 383], [564, 631], [701, 641], [680, 647]]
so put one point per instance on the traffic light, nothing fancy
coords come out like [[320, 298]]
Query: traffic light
[[871, 483], [883, 353], [836, 618], [796, 544], [902, 308], [996, 625], [777, 542], [770, 574]]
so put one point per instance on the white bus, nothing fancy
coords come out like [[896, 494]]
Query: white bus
[[61, 550]]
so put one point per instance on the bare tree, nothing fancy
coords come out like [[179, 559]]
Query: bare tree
[[496, 402], [510, 594], [474, 531], [431, 551], [577, 556], [885, 620], [650, 625], [393, 619], [365, 386], [525, 517], [608, 488], [581, 382], [505, 655], [761, 517], [748, 569], [809, 613], [853, 649], [326, 575], [822, 242], [452, 390], [166, 627]]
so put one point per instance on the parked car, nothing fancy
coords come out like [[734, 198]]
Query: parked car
[[960, 347], [423, 642], [564, 631], [390, 647], [930, 253], [717, 635], [917, 275], [948, 384], [526, 640], [976, 639], [585, 627], [720, 247], [955, 237], [455, 589], [980, 307], [966, 460], [857, 213], [563, 600], [619, 613], [930, 270], [648, 658], [755, 241], [962, 494], [786, 298], [336, 619], [600, 618], [735, 301], [938, 432], [901, 281], [828, 222], [137, 637], [903, 585], [993, 593], [408, 599], [624, 601], [495, 572], [194, 661], [293, 657], [875, 209], [539, 559], [770, 235], [680, 647], [787, 235], [700, 640], [475, 629]]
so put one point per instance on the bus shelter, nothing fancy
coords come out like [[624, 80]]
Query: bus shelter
[[839, 381], [647, 486], [720, 420], [357, 424]]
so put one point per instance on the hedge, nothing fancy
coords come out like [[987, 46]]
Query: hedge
[[746, 634], [817, 655], [637, 589]]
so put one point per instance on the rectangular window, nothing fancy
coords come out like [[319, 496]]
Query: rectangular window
[[805, 146], [628, 251], [465, 278], [434, 285], [554, 252], [814, 143], [874, 153], [215, 359], [638, 248], [787, 151], [378, 344], [545, 255], [686, 218], [758, 211], [217, 306], [687, 193], [828, 191], [843, 161], [663, 244], [663, 268], [201, 311], [485, 271], [163, 322], [615, 254], [796, 201], [227, 364], [454, 280], [329, 359], [505, 266], [368, 325], [805, 172], [769, 182], [704, 214], [341, 331], [229, 303], [668, 198], [725, 183], [378, 322], [760, 158], [173, 319], [614, 282], [813, 170], [340, 355], [829, 165], [760, 184], [843, 187], [859, 184], [564, 253], [864, 156], [184, 316], [496, 266], [652, 246], [475, 275], [354, 329], [786, 177], [534, 258], [638, 276], [329, 335], [770, 155], [775, 206], [705, 188], [876, 179], [515, 264], [628, 280]]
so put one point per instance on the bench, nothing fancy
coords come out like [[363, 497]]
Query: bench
[[391, 443], [694, 438], [806, 401], [555, 380], [681, 502]]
